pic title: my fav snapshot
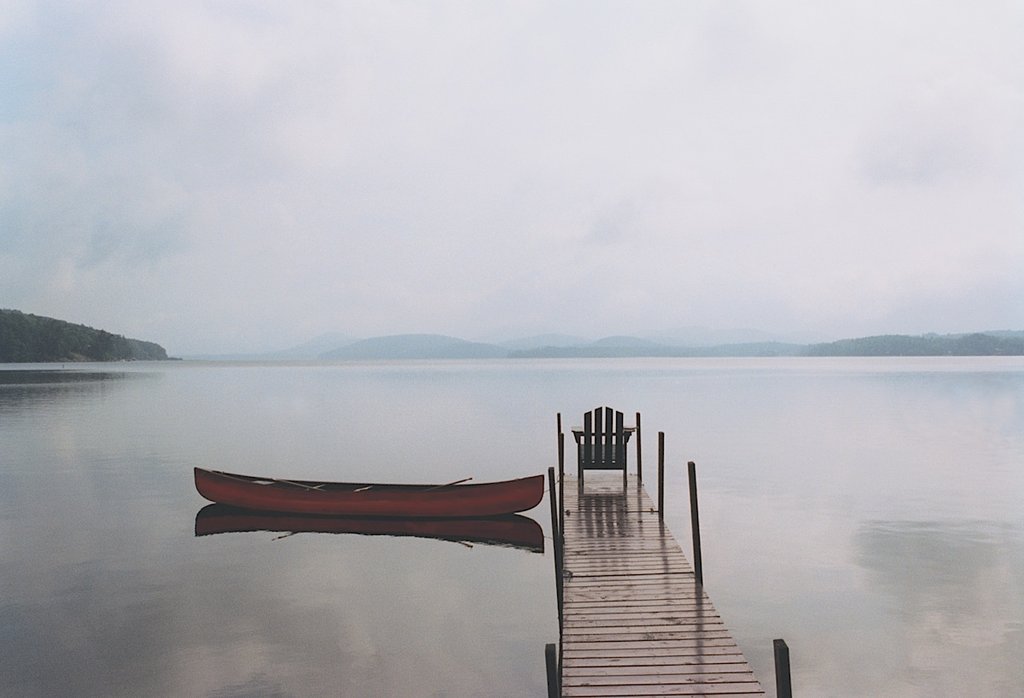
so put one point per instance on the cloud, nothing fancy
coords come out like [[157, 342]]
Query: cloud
[[258, 175]]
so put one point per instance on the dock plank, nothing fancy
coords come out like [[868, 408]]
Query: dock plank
[[635, 621]]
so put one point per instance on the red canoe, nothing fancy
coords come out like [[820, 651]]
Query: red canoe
[[366, 499], [510, 530]]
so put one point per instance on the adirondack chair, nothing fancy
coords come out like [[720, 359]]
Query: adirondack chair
[[601, 442]]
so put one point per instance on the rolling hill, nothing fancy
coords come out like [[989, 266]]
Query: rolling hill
[[34, 338]]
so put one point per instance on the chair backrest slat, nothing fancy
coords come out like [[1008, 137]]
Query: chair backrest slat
[[602, 444], [620, 441], [588, 438]]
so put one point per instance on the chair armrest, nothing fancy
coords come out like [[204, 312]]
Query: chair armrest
[[577, 433]]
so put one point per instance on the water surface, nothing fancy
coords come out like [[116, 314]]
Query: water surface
[[866, 510]]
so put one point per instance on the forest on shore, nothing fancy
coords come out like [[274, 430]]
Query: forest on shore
[[33, 338]]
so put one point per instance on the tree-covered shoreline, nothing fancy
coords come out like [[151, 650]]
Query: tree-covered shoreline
[[976, 344], [27, 338]]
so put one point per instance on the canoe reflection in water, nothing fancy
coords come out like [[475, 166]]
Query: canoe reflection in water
[[511, 530]]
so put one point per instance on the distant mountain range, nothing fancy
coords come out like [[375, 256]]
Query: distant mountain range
[[416, 346], [37, 339], [434, 346], [32, 338]]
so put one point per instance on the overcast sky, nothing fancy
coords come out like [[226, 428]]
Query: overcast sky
[[228, 176]]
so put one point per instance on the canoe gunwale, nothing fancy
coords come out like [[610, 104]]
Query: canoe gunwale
[[331, 487]]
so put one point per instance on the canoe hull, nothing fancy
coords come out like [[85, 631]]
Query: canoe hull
[[370, 499]]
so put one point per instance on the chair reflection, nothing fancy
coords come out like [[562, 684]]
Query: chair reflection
[[604, 510], [512, 531]]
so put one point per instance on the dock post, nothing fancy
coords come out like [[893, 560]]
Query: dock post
[[558, 416], [551, 660], [783, 684], [698, 567], [661, 475], [561, 446], [561, 482], [556, 538], [639, 460]]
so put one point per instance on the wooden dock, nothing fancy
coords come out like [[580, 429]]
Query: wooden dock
[[635, 622]]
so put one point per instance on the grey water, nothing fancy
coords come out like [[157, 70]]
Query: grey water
[[866, 510]]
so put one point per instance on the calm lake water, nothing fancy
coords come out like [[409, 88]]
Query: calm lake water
[[869, 511]]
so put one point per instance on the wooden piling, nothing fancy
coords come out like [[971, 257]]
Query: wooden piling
[[698, 565], [556, 539], [661, 475], [639, 452], [783, 684], [551, 661], [558, 418], [561, 485]]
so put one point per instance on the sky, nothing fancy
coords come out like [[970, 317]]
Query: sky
[[240, 176]]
